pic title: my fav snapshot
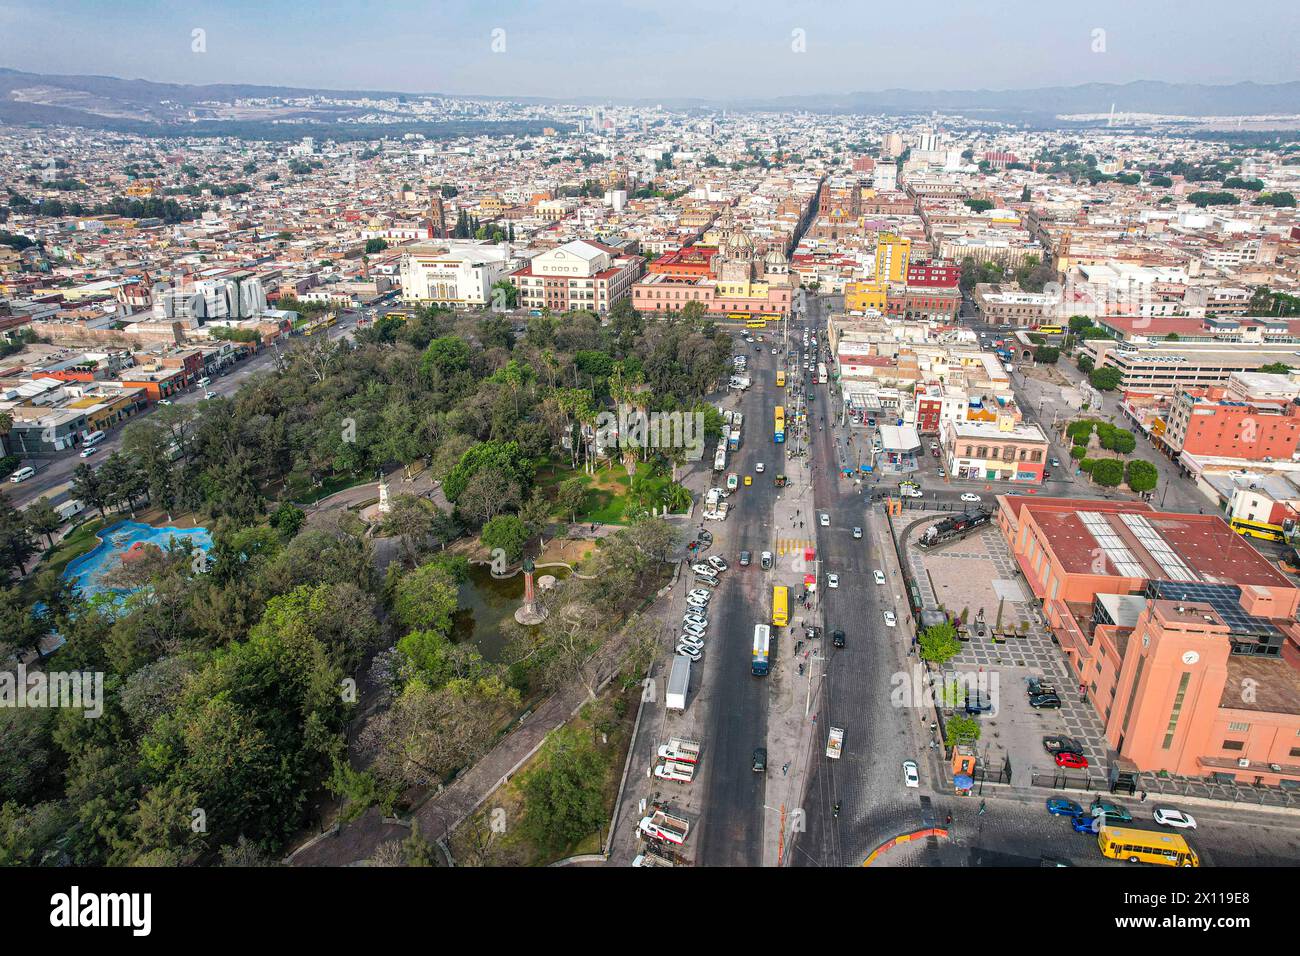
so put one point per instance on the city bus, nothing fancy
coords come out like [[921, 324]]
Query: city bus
[[1146, 846], [778, 432], [1257, 529], [761, 660], [780, 378], [1049, 330], [780, 606], [738, 316], [771, 316], [756, 323], [821, 373]]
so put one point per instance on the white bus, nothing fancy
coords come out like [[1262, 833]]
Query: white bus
[[92, 439], [762, 658]]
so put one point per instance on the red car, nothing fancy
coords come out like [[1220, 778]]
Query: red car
[[1072, 761]]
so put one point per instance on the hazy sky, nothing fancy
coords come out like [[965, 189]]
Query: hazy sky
[[665, 48]]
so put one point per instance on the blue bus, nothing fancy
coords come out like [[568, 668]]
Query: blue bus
[[762, 658]]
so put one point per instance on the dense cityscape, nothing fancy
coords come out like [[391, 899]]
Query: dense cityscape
[[430, 480]]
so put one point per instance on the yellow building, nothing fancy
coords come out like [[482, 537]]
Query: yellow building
[[865, 296], [891, 257]]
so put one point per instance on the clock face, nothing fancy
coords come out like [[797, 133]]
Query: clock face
[[1191, 657]]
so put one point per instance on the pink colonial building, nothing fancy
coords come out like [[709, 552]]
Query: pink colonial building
[[1180, 634]]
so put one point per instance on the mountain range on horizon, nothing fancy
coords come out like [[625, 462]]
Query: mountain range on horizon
[[148, 106]]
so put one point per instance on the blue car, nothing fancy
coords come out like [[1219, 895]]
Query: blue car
[[1060, 807], [1083, 823]]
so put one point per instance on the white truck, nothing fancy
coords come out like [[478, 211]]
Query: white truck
[[665, 826], [675, 771], [679, 682], [740, 382], [67, 510], [835, 743], [728, 416], [651, 859], [720, 459], [680, 749]]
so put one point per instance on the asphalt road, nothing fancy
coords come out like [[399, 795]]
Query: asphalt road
[[737, 719]]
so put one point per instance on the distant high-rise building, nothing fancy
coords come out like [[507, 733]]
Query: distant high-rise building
[[891, 146], [927, 140], [891, 257]]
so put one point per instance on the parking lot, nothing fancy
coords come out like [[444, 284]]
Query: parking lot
[[977, 574]]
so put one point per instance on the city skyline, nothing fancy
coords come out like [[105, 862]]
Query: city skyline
[[727, 51]]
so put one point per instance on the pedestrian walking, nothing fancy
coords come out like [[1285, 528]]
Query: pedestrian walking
[[1144, 797], [981, 812], [948, 822]]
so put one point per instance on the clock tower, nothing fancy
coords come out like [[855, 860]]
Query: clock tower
[[1170, 683]]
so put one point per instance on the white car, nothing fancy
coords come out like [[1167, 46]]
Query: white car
[[910, 775], [703, 568], [759, 468], [890, 619], [773, 351], [698, 619], [879, 575], [694, 653], [824, 520], [1169, 817], [694, 630], [970, 496], [696, 608], [691, 640], [832, 580], [910, 492], [718, 562], [87, 452], [857, 532], [699, 594]]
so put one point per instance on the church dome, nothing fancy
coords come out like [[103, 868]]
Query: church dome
[[774, 257], [738, 242]]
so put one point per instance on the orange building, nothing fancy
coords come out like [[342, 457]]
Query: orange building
[[1180, 634]]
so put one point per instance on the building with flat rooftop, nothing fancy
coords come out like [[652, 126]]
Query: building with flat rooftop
[[1178, 632], [1005, 450]]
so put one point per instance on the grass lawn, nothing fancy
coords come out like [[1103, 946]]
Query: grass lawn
[[607, 490], [474, 843]]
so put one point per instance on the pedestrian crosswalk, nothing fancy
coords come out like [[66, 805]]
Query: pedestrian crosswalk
[[793, 545]]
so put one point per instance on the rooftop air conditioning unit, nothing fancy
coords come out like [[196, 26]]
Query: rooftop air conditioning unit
[[1243, 762]]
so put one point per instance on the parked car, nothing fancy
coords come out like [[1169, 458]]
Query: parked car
[[970, 496], [759, 467], [879, 576], [1071, 761], [978, 703], [698, 619], [703, 568], [1037, 685], [760, 760], [1169, 817], [890, 619], [1056, 745], [87, 452], [697, 607], [765, 561], [688, 640], [941, 473], [824, 520], [1084, 823], [744, 559], [1113, 812], [857, 532], [910, 775], [832, 580], [837, 638], [719, 563], [692, 652], [695, 630], [699, 594], [1061, 807], [1045, 701]]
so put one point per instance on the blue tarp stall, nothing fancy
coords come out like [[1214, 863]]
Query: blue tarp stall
[[963, 781], [867, 469]]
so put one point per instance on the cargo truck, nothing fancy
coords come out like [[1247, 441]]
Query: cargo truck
[[680, 749], [665, 826], [679, 682], [675, 771], [835, 743]]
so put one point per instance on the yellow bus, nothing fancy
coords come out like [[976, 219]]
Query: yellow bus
[[739, 316], [771, 316], [778, 431], [780, 378], [780, 606], [756, 323], [1049, 329], [1257, 529], [1146, 846]]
